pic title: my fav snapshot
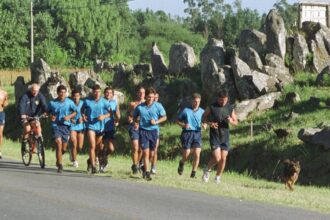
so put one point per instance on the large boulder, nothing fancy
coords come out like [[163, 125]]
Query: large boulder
[[318, 37], [78, 78], [20, 88], [212, 50], [143, 69], [252, 58], [244, 108], [252, 39], [159, 67], [119, 96], [276, 34], [282, 74], [315, 136], [299, 52], [49, 88], [216, 78], [263, 82], [182, 57], [243, 79], [320, 76], [40, 71], [274, 60]]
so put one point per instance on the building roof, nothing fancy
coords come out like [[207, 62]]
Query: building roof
[[315, 2]]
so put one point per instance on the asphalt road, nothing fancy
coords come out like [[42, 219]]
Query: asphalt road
[[33, 193]]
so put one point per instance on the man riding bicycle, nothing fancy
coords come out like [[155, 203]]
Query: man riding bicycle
[[31, 104]]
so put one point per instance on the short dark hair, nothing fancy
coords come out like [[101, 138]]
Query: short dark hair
[[96, 87], [196, 95], [108, 88], [75, 91], [150, 90], [139, 87], [60, 88], [223, 93]]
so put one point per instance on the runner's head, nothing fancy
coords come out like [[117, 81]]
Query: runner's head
[[75, 95], [34, 89], [156, 97], [222, 97], [96, 92], [141, 93], [150, 95], [61, 92], [196, 100], [108, 93]]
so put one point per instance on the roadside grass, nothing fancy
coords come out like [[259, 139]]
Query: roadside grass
[[234, 185]]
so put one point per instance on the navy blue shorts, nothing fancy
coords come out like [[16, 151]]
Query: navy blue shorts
[[148, 139], [191, 139], [109, 135], [219, 139], [2, 118], [61, 131], [133, 134]]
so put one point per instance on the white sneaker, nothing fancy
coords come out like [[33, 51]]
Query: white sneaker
[[217, 179], [153, 170], [75, 164], [0, 155], [206, 175]]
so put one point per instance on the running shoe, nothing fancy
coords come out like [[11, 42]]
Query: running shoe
[[147, 176], [94, 170], [217, 179], [193, 174], [153, 170], [0, 155], [134, 169], [59, 168], [180, 168], [89, 166], [206, 175], [75, 164]]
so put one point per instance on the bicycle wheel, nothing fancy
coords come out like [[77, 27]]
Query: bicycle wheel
[[41, 153], [26, 154]]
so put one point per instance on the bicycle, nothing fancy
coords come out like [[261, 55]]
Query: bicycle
[[35, 144]]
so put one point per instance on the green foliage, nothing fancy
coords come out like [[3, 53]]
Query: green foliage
[[12, 41], [289, 14], [219, 20]]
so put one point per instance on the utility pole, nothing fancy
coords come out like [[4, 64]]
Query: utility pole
[[32, 43]]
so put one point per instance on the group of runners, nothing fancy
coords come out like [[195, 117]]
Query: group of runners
[[98, 116]]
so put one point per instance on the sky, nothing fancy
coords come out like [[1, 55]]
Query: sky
[[176, 7]]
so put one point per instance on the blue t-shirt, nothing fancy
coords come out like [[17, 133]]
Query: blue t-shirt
[[146, 113], [93, 109], [110, 122], [75, 125], [61, 109], [191, 117]]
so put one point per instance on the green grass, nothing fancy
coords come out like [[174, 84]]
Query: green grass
[[233, 185]]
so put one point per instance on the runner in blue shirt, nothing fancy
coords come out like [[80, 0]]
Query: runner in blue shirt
[[61, 110], [110, 125], [95, 110], [190, 119], [147, 116], [154, 154], [136, 152], [77, 128]]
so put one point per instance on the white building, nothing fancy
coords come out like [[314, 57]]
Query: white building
[[314, 10]]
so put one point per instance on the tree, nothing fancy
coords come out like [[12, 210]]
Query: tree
[[289, 14], [14, 53]]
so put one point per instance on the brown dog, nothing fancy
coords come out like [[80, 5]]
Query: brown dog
[[290, 173]]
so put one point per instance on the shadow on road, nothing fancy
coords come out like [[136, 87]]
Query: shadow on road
[[14, 166]]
